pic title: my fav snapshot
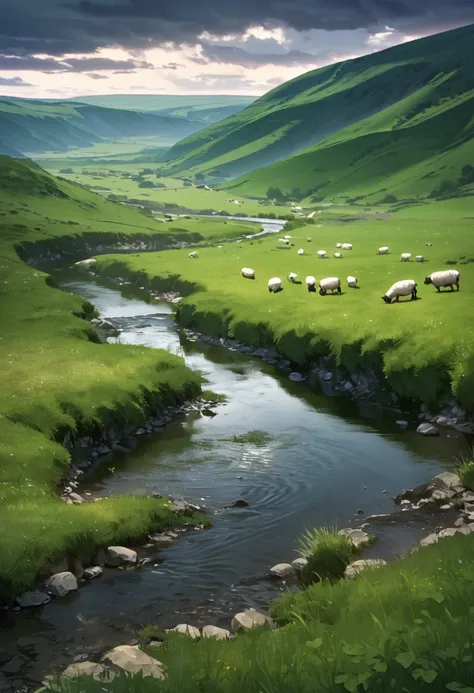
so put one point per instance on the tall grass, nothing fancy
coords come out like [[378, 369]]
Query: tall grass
[[327, 552]]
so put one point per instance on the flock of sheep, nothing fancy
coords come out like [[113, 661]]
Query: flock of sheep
[[405, 287]]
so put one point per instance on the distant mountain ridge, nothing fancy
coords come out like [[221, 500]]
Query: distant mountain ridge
[[379, 97]]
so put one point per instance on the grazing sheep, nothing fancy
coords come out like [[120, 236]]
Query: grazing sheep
[[404, 257], [429, 245], [444, 278], [301, 251], [419, 258], [292, 277], [321, 254], [401, 288], [288, 237], [311, 283], [308, 239], [383, 250], [193, 254], [338, 245], [330, 284], [86, 263], [338, 255], [286, 241], [352, 282], [247, 273], [274, 285], [347, 246]]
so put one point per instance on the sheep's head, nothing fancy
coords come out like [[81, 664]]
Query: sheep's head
[[322, 291], [386, 299], [427, 280]]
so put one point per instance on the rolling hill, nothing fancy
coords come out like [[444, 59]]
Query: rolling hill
[[34, 126], [205, 109], [404, 113]]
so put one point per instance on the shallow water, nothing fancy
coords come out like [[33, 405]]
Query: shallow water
[[321, 463]]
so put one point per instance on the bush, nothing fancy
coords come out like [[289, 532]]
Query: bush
[[328, 554], [466, 473]]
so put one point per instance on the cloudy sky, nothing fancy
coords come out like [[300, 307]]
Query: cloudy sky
[[63, 48]]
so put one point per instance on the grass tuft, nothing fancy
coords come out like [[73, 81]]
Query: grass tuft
[[328, 554]]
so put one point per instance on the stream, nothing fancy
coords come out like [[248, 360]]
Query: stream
[[321, 462]]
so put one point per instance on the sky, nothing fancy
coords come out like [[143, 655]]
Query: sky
[[67, 48]]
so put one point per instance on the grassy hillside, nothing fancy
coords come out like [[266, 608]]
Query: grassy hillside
[[32, 126], [424, 347], [58, 379], [205, 109], [353, 115]]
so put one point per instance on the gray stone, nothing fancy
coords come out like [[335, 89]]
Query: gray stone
[[61, 584], [459, 522], [131, 659], [245, 620], [215, 632], [76, 498], [402, 423], [92, 572], [357, 537], [161, 539], [32, 598], [186, 629], [449, 532], [427, 429], [365, 564], [282, 570], [119, 555], [446, 481], [447, 506], [430, 539], [103, 450], [327, 376], [442, 495], [442, 421], [296, 377], [97, 671], [299, 563], [466, 529], [347, 386]]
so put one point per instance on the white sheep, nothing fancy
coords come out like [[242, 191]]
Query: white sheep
[[86, 263], [321, 254], [419, 258], [247, 273], [444, 278], [311, 283], [401, 288], [383, 250], [274, 285], [347, 246], [301, 251], [338, 255], [288, 237], [330, 284], [193, 254], [292, 277], [338, 245], [352, 282], [429, 245], [309, 239], [404, 257]]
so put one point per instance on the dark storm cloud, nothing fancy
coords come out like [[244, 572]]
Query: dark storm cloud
[[231, 55], [13, 82], [70, 65], [77, 26]]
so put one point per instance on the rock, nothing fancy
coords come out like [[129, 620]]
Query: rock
[[296, 377], [92, 572], [119, 555], [357, 537], [240, 503], [442, 421], [131, 659], [441, 495], [366, 564], [449, 532], [459, 522], [466, 529], [446, 481], [14, 666], [97, 671], [215, 632], [402, 423], [161, 539], [299, 563], [103, 450], [61, 584], [426, 429], [347, 386], [430, 539], [32, 598], [246, 620], [282, 570], [186, 629], [447, 506], [327, 376]]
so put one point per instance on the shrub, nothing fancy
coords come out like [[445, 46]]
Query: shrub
[[466, 473], [328, 554]]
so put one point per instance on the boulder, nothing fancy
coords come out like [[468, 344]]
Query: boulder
[[447, 481], [441, 496], [185, 629], [357, 537], [240, 503], [430, 539], [427, 429], [97, 671], [402, 423], [131, 659], [120, 555], [296, 377], [76, 498], [61, 584], [215, 632], [94, 571], [299, 563], [282, 570], [366, 564], [161, 539], [245, 620], [32, 598]]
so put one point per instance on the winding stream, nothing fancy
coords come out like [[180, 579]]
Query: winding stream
[[322, 462]]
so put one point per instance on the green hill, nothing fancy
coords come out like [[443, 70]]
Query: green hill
[[33, 127], [205, 109], [350, 126]]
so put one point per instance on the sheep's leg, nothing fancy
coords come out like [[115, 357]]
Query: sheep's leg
[[413, 296], [438, 289], [451, 287], [397, 299], [339, 290], [457, 285], [269, 290]]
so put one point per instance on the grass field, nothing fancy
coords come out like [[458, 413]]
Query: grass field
[[423, 347], [56, 378], [122, 149]]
